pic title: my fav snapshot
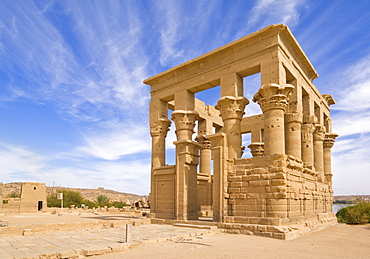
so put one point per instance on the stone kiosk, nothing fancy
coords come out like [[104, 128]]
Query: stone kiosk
[[285, 189]]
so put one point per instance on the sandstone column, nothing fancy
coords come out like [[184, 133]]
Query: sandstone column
[[318, 146], [232, 110], [308, 128], [158, 132], [273, 100], [231, 106], [257, 149], [293, 125], [205, 157], [186, 156], [159, 126], [328, 144]]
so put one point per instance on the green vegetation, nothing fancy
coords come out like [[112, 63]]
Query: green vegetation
[[75, 198], [69, 198], [102, 200], [357, 214]]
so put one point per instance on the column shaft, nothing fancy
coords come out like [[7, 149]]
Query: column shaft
[[232, 110], [186, 196], [293, 139], [205, 158], [318, 145], [158, 132], [328, 144], [274, 131], [308, 128], [273, 100]]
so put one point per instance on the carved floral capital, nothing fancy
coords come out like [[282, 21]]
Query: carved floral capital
[[257, 149], [160, 127], [184, 120], [231, 107], [273, 96], [293, 117], [319, 133], [307, 132], [330, 140]]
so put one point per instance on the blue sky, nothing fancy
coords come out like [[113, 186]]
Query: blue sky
[[74, 110]]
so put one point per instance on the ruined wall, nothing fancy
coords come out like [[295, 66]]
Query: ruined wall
[[163, 192], [277, 190]]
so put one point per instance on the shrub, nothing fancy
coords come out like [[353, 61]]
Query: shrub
[[119, 204], [357, 214], [69, 198], [102, 200]]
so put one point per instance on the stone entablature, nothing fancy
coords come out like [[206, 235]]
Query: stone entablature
[[288, 179]]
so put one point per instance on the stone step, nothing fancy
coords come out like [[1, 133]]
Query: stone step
[[184, 225]]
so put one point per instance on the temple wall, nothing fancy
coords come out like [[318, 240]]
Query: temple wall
[[276, 190]]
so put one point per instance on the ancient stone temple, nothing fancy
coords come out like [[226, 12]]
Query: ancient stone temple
[[285, 189]]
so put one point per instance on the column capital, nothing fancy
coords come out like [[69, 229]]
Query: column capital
[[293, 117], [319, 133], [160, 127], [307, 130], [184, 120], [329, 99], [206, 143], [330, 139], [231, 107], [309, 119], [257, 149], [273, 96]]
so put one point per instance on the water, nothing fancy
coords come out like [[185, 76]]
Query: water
[[337, 207]]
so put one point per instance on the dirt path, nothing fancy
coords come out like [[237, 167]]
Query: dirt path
[[338, 241]]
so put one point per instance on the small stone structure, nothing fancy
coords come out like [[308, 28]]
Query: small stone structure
[[32, 198], [285, 189]]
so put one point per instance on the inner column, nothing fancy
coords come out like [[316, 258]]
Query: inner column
[[231, 106], [187, 156]]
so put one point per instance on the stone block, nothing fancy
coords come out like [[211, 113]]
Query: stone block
[[259, 183]]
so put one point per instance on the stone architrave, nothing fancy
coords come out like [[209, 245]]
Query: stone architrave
[[273, 100], [232, 110]]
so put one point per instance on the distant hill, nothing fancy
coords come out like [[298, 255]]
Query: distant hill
[[88, 194], [349, 198]]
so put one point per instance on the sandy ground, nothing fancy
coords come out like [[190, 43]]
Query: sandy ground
[[29, 219], [337, 241]]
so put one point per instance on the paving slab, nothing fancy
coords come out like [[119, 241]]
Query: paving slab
[[90, 242]]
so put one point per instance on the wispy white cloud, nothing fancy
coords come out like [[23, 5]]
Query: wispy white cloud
[[355, 94], [267, 12], [18, 163], [93, 79], [113, 145], [21, 164], [351, 165]]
